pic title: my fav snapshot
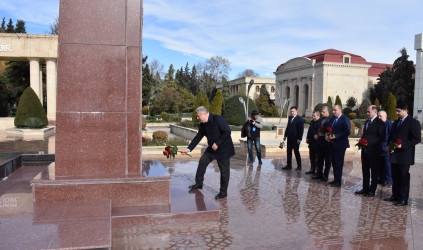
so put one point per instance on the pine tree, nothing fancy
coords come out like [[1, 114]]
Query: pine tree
[[338, 101], [225, 91], [3, 26], [10, 28], [205, 102], [390, 106], [377, 104], [197, 103], [329, 102], [170, 73], [194, 84], [216, 106], [20, 27]]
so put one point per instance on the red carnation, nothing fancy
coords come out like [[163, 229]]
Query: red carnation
[[167, 148], [364, 142], [169, 152], [329, 129], [322, 128], [143, 139], [399, 141], [164, 152]]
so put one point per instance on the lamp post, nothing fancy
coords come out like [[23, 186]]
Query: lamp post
[[241, 100], [286, 102], [277, 95], [248, 96]]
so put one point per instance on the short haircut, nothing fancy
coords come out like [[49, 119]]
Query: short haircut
[[383, 112], [293, 107], [339, 106], [202, 109], [402, 105], [325, 108], [374, 108], [317, 113], [254, 112]]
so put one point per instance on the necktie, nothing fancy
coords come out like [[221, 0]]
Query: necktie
[[334, 122], [399, 123], [367, 125]]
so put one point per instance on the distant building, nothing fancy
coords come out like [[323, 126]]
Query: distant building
[[311, 79], [235, 86]]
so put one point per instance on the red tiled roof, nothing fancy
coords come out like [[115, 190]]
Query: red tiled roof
[[378, 68], [333, 55]]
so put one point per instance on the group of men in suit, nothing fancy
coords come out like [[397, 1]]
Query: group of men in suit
[[398, 140], [327, 138]]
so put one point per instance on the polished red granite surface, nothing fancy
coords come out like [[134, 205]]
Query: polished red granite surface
[[99, 88]]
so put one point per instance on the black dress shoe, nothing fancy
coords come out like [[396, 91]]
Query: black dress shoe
[[260, 162], [298, 169], [220, 196], [392, 198], [401, 203], [362, 191], [317, 177], [309, 172], [324, 179], [332, 182], [335, 184], [369, 194], [287, 167], [195, 186]]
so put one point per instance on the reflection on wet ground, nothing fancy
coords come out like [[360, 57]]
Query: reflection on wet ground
[[270, 208]]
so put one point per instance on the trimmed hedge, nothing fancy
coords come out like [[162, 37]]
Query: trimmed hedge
[[233, 110], [30, 112]]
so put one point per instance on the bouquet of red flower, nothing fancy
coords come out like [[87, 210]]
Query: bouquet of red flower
[[170, 151], [322, 130], [362, 143], [144, 139], [281, 145], [394, 145], [329, 131]]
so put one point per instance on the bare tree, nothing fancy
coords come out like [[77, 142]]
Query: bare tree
[[217, 67], [156, 69], [247, 73], [54, 28]]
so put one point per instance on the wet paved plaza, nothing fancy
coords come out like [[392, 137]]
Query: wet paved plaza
[[266, 208]]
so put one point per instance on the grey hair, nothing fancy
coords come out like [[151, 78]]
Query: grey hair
[[383, 112], [325, 108], [202, 109]]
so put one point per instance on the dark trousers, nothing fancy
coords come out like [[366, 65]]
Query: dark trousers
[[313, 159], [223, 164], [338, 155], [323, 157], [370, 166], [401, 181], [296, 147], [385, 173], [256, 142]]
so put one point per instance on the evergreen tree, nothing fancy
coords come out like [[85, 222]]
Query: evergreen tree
[[338, 101], [194, 84], [225, 91], [216, 106], [351, 102], [170, 73], [197, 103], [383, 87], [205, 102], [329, 102], [363, 107], [390, 106], [242, 90], [147, 82], [20, 27], [3, 26], [403, 82], [10, 28], [30, 111], [377, 104]]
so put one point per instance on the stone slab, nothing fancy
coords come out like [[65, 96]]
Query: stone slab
[[30, 134]]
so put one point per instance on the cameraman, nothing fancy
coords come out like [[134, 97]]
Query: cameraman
[[251, 130]]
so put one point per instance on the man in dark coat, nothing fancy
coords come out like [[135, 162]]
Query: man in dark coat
[[374, 134], [405, 133], [341, 129], [220, 148], [312, 141], [294, 132], [323, 147], [385, 177]]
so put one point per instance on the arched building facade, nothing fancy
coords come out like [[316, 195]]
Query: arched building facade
[[311, 79]]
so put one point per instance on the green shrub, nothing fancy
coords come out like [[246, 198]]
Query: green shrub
[[352, 115], [152, 118], [347, 110], [145, 110], [164, 116], [30, 112], [160, 137], [307, 120], [233, 110], [175, 118], [359, 122]]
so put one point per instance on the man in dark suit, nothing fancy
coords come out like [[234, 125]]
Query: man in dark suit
[[294, 132], [341, 127], [220, 148], [385, 177], [323, 147], [374, 133], [408, 130], [312, 141]]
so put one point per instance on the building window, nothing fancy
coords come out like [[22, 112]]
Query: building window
[[346, 59], [257, 89], [272, 89]]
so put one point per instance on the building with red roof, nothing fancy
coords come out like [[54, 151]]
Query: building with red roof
[[311, 79]]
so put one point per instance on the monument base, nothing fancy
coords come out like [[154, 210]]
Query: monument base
[[28, 134], [123, 191]]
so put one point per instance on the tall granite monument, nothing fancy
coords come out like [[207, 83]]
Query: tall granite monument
[[418, 87]]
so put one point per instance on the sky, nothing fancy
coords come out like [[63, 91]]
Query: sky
[[258, 35]]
